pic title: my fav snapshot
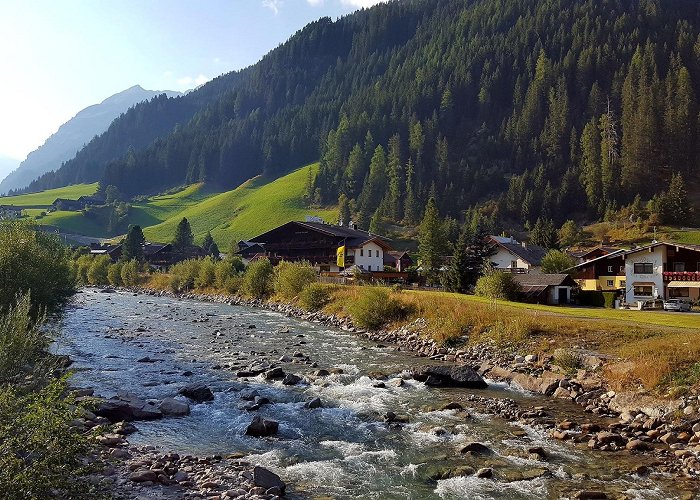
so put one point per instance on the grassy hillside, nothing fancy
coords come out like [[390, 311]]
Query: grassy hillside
[[44, 199], [254, 207]]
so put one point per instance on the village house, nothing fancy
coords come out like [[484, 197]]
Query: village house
[[10, 212], [663, 271], [318, 243], [552, 289], [588, 254], [515, 257], [602, 273], [400, 261]]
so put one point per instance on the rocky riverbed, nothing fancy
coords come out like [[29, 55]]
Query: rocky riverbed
[[346, 414]]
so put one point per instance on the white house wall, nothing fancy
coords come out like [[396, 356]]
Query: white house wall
[[656, 257], [373, 263], [503, 260]]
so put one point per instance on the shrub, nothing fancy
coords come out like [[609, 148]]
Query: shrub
[[257, 280], [374, 308], [594, 298], [207, 273], [40, 453], [130, 273], [31, 260], [184, 274], [224, 270], [97, 273], [114, 274], [81, 268], [291, 278], [568, 359], [233, 284], [497, 285], [315, 296]]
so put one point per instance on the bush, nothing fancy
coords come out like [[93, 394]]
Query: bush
[[130, 273], [31, 260], [207, 273], [374, 308], [497, 285], [81, 267], [257, 280], [40, 453], [292, 277], [114, 274], [184, 274], [594, 298], [233, 284], [315, 296], [224, 270], [97, 273]]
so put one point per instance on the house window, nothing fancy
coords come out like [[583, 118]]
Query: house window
[[623, 284], [513, 264], [679, 292], [361, 266], [610, 269], [643, 268], [362, 252], [643, 290], [369, 253], [679, 267], [611, 283]]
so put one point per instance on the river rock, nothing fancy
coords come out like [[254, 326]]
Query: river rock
[[197, 392], [450, 376], [261, 427], [291, 379], [590, 495], [174, 407], [275, 373], [314, 403], [119, 410], [484, 473], [268, 479], [142, 476], [476, 448]]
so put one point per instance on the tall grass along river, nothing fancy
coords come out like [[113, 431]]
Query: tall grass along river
[[344, 449]]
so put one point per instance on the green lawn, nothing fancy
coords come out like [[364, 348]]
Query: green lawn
[[637, 317], [252, 208], [74, 223], [44, 199]]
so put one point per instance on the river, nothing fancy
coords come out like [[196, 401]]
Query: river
[[343, 450]]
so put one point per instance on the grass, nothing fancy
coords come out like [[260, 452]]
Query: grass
[[256, 206], [44, 199]]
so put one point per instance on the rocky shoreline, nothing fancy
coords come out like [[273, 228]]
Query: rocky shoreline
[[669, 434]]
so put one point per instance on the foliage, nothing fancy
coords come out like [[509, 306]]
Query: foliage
[[556, 261], [315, 296], [431, 240], [185, 274], [224, 271], [544, 234], [497, 285], [40, 452], [375, 307], [207, 273], [597, 298], [210, 247], [132, 247], [97, 274], [291, 278], [33, 262], [130, 273], [258, 279], [569, 234], [183, 235], [673, 205], [114, 274]]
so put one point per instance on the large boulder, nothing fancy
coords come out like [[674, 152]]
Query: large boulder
[[267, 479], [126, 409], [261, 427], [197, 392], [174, 407], [450, 376]]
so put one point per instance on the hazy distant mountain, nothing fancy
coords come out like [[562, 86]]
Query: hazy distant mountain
[[7, 165], [73, 135]]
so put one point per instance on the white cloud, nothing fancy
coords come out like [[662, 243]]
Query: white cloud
[[187, 82], [273, 5], [361, 3], [315, 3]]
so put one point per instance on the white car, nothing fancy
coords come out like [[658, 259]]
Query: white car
[[676, 305]]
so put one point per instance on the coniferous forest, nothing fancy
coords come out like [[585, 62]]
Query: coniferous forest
[[529, 109]]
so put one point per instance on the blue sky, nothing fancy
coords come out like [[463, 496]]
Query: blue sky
[[58, 57]]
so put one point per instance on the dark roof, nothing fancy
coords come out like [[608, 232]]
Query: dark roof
[[694, 248], [11, 207], [583, 252], [543, 280], [353, 237], [531, 254], [154, 248], [612, 255]]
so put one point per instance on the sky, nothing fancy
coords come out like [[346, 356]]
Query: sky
[[58, 57]]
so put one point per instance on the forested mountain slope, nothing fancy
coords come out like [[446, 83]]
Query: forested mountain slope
[[546, 107]]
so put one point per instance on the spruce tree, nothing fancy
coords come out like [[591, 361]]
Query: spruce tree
[[183, 235], [343, 210], [209, 246], [431, 241], [132, 247]]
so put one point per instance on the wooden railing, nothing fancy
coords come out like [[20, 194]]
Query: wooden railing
[[681, 276]]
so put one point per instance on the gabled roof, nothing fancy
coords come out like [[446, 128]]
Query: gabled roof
[[354, 238], [154, 248], [693, 248], [11, 207], [543, 280], [532, 254], [583, 252], [613, 255]]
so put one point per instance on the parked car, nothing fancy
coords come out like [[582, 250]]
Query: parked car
[[676, 305]]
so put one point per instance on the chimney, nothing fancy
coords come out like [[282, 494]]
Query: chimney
[[524, 244], [340, 222]]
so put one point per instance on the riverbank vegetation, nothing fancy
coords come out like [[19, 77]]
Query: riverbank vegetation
[[41, 454], [655, 350]]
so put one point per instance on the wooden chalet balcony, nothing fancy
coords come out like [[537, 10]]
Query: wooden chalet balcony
[[682, 276]]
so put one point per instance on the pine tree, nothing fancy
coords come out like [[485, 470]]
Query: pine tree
[[590, 164], [132, 247], [411, 207], [183, 235], [209, 246], [674, 205], [343, 210], [394, 208], [457, 276], [431, 241], [544, 234]]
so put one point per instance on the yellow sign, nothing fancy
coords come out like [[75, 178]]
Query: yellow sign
[[340, 256]]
